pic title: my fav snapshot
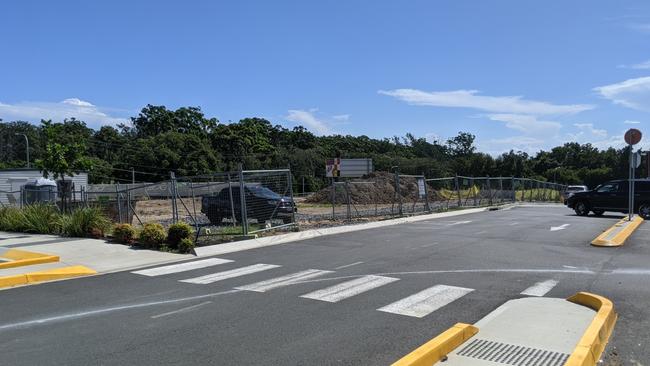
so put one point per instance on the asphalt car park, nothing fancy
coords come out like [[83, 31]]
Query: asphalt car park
[[346, 299]]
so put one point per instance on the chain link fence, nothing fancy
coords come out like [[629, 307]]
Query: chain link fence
[[390, 195], [213, 204], [230, 205]]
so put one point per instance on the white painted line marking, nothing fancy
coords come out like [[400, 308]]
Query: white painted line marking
[[513, 223], [220, 276], [540, 288], [561, 227], [481, 232], [351, 288], [426, 301], [459, 223], [183, 310], [348, 265], [282, 281], [182, 267]]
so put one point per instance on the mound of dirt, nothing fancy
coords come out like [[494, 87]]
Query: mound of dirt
[[376, 187]]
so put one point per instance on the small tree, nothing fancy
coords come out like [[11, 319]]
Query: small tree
[[60, 159]]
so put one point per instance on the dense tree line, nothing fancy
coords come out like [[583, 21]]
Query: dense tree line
[[185, 141]]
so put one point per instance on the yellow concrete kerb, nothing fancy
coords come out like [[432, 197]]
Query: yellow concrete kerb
[[17, 258], [593, 342], [439, 347], [47, 275], [617, 235]]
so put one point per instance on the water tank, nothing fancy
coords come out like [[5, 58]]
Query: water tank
[[39, 190]]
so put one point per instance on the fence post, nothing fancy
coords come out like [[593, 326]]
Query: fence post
[[347, 199], [514, 190], [172, 188], [457, 190], [398, 192], [426, 194], [471, 183], [119, 202], [530, 198], [501, 189], [290, 181], [489, 190], [232, 203], [333, 200], [242, 199], [196, 223]]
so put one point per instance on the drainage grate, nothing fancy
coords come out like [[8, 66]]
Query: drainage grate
[[510, 354]]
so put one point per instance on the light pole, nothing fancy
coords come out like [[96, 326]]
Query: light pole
[[26, 144]]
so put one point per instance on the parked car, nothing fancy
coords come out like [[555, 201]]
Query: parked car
[[570, 190], [612, 196], [262, 204]]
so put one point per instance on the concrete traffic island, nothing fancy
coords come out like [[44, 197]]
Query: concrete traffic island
[[618, 234], [528, 331]]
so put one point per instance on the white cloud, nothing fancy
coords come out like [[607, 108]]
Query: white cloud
[[645, 65], [589, 128], [631, 93], [470, 99], [628, 122], [341, 117], [640, 27], [527, 124], [496, 147], [308, 119], [82, 110]]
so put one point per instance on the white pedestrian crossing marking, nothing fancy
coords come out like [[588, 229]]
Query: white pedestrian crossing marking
[[426, 301], [540, 288], [220, 276], [282, 281], [182, 267], [348, 289]]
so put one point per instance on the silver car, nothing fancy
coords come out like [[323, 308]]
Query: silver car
[[570, 190]]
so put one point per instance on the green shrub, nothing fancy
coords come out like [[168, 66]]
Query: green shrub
[[84, 222], [12, 219], [124, 233], [185, 245], [177, 232], [41, 219], [152, 235]]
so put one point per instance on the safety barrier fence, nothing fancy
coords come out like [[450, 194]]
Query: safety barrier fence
[[402, 194], [213, 204]]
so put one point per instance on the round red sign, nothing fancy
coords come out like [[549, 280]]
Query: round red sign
[[633, 136]]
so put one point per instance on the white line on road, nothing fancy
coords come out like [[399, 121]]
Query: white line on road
[[182, 267], [513, 223], [426, 301], [183, 310], [348, 265], [220, 276], [282, 281], [83, 314], [480, 232], [561, 227], [459, 223], [347, 289], [540, 288]]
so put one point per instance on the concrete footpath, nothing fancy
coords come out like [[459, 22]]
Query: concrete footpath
[[76, 257]]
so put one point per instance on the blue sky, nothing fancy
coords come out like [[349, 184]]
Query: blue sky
[[517, 74]]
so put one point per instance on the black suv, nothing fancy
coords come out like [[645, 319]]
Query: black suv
[[262, 204], [612, 196]]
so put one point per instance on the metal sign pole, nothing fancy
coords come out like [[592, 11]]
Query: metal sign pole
[[630, 186]]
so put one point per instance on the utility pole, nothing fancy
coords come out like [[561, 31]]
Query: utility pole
[[26, 144]]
